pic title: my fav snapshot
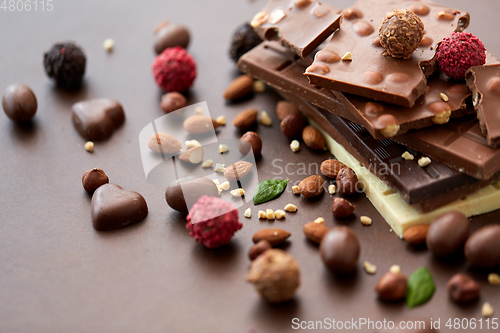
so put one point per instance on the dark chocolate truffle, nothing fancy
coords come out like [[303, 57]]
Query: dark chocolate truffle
[[170, 34], [401, 33], [65, 63], [244, 39]]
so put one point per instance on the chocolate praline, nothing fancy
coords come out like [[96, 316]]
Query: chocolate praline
[[340, 250], [19, 103], [401, 33]]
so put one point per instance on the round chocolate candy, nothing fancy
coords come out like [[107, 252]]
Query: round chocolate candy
[[401, 33], [448, 234], [340, 250], [244, 39], [186, 191], [169, 34], [483, 247], [19, 103]]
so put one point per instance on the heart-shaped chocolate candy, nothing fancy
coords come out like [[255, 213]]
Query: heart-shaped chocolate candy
[[113, 207], [96, 119]]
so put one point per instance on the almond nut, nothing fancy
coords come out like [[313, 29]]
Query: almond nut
[[311, 186], [313, 138], [238, 170], [164, 143], [274, 236], [293, 125], [331, 168], [245, 119], [239, 87], [392, 287], [315, 231], [284, 108], [342, 208], [192, 155], [416, 235], [199, 124], [250, 140], [347, 181], [258, 249]]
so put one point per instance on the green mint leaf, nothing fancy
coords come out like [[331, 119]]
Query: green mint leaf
[[420, 287], [268, 190]]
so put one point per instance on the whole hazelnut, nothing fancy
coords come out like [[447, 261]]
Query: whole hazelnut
[[259, 248], [275, 275], [250, 140], [284, 108], [172, 101], [292, 125], [462, 288], [347, 181], [342, 208], [392, 287], [94, 178]]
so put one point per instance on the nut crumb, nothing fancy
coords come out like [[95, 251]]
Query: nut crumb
[[295, 146], [332, 189], [270, 214], [239, 192], [424, 161], [248, 213], [89, 146], [444, 97], [265, 119], [279, 214], [395, 269], [262, 215], [207, 164], [369, 268], [347, 57], [291, 208], [319, 220], [108, 44], [223, 148], [295, 189], [192, 144], [225, 185], [407, 156], [259, 86], [487, 310], [390, 130], [198, 110], [219, 167], [221, 120], [366, 220], [494, 279]]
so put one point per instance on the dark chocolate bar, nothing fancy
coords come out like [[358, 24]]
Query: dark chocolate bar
[[277, 66], [484, 81], [299, 25], [425, 189], [372, 74]]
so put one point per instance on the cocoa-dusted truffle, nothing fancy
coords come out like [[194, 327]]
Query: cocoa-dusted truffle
[[65, 63], [244, 39], [401, 33], [275, 275]]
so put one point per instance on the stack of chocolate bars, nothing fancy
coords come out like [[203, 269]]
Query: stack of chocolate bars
[[385, 117]]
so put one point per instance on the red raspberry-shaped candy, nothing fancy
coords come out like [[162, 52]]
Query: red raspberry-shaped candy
[[174, 69]]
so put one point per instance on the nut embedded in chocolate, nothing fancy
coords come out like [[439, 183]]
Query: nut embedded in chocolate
[[401, 33]]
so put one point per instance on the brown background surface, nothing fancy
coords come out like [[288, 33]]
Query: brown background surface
[[58, 274]]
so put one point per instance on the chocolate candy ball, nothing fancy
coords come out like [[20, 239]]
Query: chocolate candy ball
[[244, 39], [65, 63], [340, 250], [483, 247], [19, 103], [170, 34], [401, 33], [448, 234]]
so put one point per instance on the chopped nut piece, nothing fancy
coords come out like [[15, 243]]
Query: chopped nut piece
[[347, 57], [219, 167], [216, 181], [291, 208], [259, 86], [192, 144], [198, 110], [319, 220], [265, 119], [89, 146], [108, 44], [239, 192], [262, 214], [369, 268], [279, 214], [494, 279], [395, 269], [424, 161], [223, 148], [207, 164], [248, 213], [270, 214], [221, 120], [332, 189], [295, 146], [295, 189], [444, 97], [366, 220], [225, 185], [487, 310], [407, 156]]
